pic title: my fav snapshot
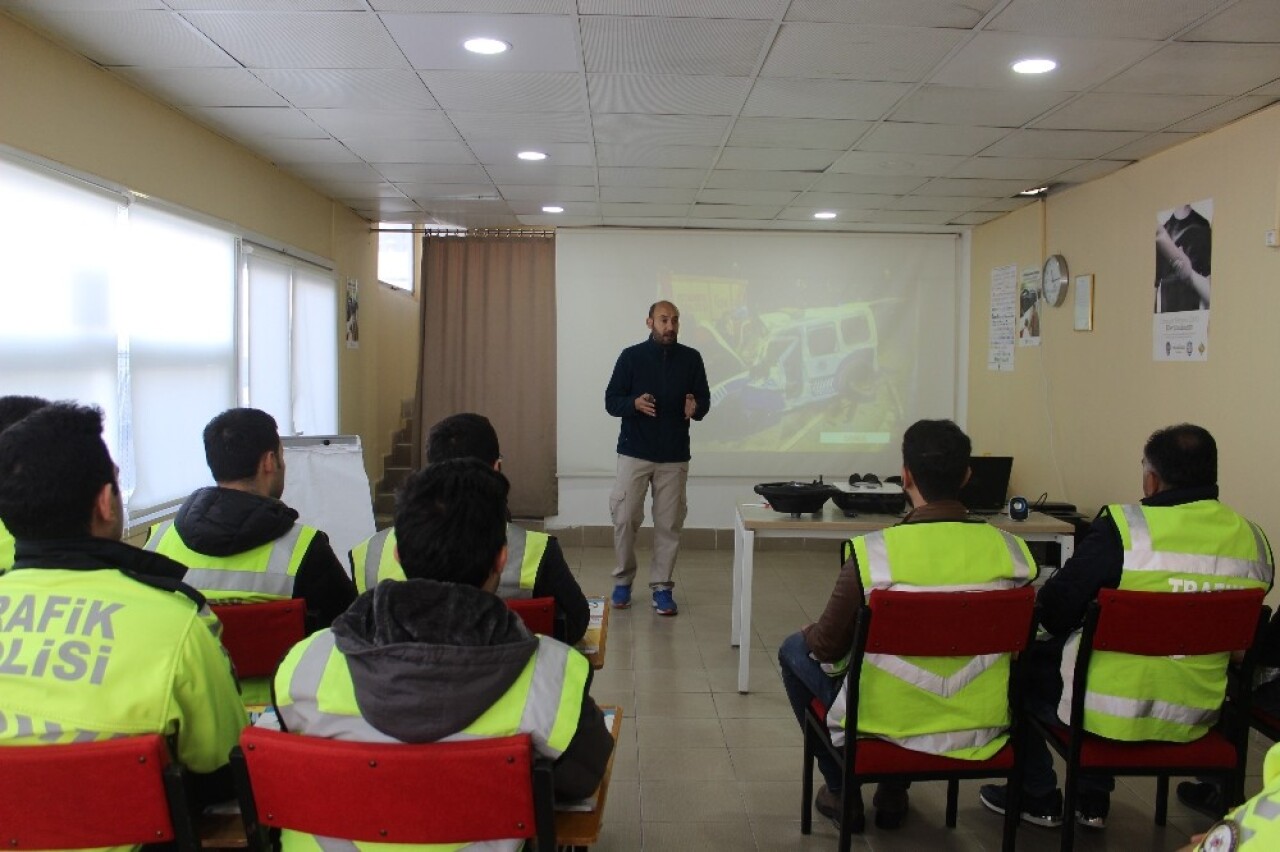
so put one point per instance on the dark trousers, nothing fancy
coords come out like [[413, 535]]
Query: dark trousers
[[1044, 690]]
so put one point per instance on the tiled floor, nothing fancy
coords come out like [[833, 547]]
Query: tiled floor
[[701, 767]]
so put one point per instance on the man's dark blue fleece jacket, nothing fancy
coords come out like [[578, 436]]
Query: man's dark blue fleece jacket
[[667, 372]]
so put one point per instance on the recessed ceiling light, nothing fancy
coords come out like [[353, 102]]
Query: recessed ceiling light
[[1034, 66], [552, 208], [487, 46], [532, 155], [824, 214], [1039, 190]]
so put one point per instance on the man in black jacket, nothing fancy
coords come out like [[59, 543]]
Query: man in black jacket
[[238, 540], [657, 387]]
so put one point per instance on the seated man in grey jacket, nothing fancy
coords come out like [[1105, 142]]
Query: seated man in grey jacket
[[438, 656]]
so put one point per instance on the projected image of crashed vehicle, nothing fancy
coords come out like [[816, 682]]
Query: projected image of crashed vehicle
[[791, 359]]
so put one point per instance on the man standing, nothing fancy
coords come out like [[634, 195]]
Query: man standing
[[657, 387], [536, 567], [937, 544], [438, 656], [1178, 539], [101, 638], [13, 409]]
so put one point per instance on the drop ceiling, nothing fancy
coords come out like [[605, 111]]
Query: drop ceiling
[[894, 114]]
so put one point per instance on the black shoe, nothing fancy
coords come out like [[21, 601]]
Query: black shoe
[[1092, 809], [828, 804], [1045, 811], [891, 807], [1204, 797]]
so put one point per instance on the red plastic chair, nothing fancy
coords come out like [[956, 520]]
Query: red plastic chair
[[940, 624], [119, 792], [258, 635], [453, 792], [1162, 624], [538, 614]]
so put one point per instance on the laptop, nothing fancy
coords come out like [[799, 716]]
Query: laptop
[[988, 485]]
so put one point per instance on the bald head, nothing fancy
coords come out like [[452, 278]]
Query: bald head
[[663, 323]]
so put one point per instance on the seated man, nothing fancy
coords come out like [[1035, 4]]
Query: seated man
[[536, 566], [238, 540], [937, 544], [13, 409], [1178, 539], [1253, 826], [101, 638], [438, 656]]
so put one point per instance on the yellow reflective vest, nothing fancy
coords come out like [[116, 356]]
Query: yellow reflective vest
[[953, 706], [315, 695], [1200, 546], [374, 560], [1255, 825], [264, 573]]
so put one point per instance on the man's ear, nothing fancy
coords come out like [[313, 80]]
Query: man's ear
[[968, 472], [102, 524], [268, 462]]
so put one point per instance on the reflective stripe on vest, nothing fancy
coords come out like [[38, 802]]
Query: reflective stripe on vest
[[905, 700], [524, 554], [294, 841], [374, 560], [264, 572], [1193, 547], [315, 696]]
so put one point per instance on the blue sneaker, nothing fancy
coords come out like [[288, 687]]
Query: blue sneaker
[[663, 603], [621, 597]]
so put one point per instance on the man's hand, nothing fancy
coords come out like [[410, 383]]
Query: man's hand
[[646, 405], [690, 406]]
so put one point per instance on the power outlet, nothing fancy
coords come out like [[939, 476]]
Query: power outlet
[[1271, 238]]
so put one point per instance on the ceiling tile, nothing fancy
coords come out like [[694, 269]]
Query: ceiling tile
[[746, 196], [614, 208], [910, 217], [1108, 111], [896, 163], [350, 88], [1226, 113], [206, 87], [751, 179], [571, 208], [833, 134], [762, 9], [735, 211], [1201, 69], [1065, 144], [1090, 171], [726, 48], [1148, 145], [667, 94], [778, 159], [301, 39], [823, 98], [868, 183], [319, 172], [280, 150], [532, 128], [658, 195], [984, 63], [972, 187], [543, 176], [1021, 168], [548, 220], [977, 107], [953, 14], [539, 42], [1247, 21], [845, 201], [531, 7], [1004, 205], [975, 218], [803, 212], [952, 203], [907, 138], [360, 189], [1148, 19], [268, 5], [144, 38], [389, 124], [23, 8], [381, 150], [645, 221], [388, 210], [494, 92], [660, 129], [653, 156], [518, 192], [423, 192], [894, 54], [559, 154], [652, 177], [431, 173], [258, 121]]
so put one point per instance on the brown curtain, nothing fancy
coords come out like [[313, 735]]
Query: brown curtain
[[489, 346]]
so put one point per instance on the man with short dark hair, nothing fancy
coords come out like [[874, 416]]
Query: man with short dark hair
[[438, 656], [13, 409], [1179, 538], [101, 639], [240, 542], [937, 544], [536, 566]]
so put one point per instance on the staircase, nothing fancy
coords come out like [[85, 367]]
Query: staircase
[[396, 467]]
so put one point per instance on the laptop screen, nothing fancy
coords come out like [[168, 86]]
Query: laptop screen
[[988, 485]]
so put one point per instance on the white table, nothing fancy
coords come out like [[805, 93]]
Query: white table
[[752, 520]]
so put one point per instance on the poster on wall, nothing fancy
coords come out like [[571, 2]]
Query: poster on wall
[[1029, 308], [353, 313], [1180, 309], [1004, 295]]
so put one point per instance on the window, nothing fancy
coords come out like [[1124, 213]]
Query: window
[[395, 256], [120, 303]]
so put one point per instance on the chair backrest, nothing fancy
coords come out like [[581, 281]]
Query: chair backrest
[[950, 624], [1164, 624], [451, 792], [538, 614], [118, 792], [258, 635]]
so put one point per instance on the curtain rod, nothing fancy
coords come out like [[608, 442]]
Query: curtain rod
[[472, 232]]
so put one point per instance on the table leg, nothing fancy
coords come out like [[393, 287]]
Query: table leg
[[744, 634], [739, 533]]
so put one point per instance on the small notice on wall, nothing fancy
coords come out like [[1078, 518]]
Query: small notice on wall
[[1029, 308], [1004, 313], [353, 313]]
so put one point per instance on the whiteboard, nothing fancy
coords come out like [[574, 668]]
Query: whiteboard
[[326, 483]]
